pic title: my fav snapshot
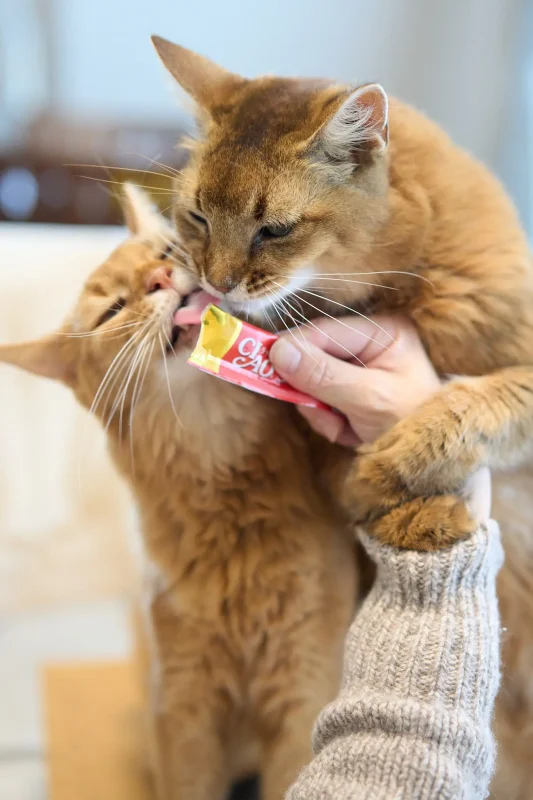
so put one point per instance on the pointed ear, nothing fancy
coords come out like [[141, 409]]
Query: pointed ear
[[203, 80], [359, 125], [141, 215], [47, 357]]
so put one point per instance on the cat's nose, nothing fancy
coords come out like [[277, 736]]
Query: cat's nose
[[160, 278], [224, 285]]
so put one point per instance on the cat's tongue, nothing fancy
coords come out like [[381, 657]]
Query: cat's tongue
[[191, 312]]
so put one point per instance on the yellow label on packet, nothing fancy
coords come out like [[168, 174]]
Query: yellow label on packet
[[218, 333]]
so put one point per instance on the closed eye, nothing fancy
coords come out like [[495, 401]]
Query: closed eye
[[198, 218], [111, 312], [166, 252], [275, 231]]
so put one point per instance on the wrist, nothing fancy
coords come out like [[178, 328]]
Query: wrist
[[429, 578]]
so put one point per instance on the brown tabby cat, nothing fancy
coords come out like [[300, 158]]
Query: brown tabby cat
[[295, 183], [253, 578], [295, 196]]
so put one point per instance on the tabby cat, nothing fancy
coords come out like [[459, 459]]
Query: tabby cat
[[294, 183], [251, 577], [313, 198]]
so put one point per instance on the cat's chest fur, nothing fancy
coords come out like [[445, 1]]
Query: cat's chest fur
[[227, 493], [211, 440]]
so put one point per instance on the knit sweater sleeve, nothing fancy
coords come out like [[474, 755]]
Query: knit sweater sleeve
[[412, 720]]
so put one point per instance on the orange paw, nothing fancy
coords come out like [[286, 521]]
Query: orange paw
[[426, 457], [427, 523]]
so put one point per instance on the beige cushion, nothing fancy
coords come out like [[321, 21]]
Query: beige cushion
[[63, 511]]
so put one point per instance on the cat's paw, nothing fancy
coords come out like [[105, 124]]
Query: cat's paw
[[420, 464], [378, 499], [426, 523], [432, 452]]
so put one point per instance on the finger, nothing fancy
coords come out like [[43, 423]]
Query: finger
[[352, 337], [329, 425], [315, 372], [348, 438]]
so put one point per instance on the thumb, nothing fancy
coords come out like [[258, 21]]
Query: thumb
[[311, 370]]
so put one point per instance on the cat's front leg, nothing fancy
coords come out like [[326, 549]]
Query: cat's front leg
[[400, 484], [189, 734]]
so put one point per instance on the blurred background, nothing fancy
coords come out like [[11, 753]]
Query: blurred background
[[79, 82], [84, 100]]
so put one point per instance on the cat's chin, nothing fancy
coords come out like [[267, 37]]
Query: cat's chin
[[188, 336]]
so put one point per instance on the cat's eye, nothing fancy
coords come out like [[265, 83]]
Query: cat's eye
[[274, 231], [166, 252], [198, 218], [111, 312]]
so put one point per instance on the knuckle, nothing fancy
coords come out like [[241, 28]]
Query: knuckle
[[380, 399], [319, 375]]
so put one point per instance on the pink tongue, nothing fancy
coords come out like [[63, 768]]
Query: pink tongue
[[191, 313]]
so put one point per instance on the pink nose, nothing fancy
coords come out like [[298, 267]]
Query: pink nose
[[160, 278]]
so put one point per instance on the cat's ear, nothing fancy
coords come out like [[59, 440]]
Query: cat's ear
[[47, 356], [358, 126], [204, 81], [141, 215]]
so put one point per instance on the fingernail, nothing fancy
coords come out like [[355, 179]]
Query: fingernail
[[285, 356]]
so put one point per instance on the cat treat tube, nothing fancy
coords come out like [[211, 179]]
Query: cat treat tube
[[237, 352]]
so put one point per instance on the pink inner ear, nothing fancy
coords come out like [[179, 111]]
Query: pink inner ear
[[375, 102]]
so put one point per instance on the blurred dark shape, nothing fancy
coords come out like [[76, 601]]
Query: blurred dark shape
[[69, 172], [247, 790]]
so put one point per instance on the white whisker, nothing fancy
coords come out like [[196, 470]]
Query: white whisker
[[145, 172], [176, 247], [123, 391], [104, 383], [121, 370], [298, 328], [348, 280], [173, 173], [100, 332], [152, 189], [168, 382], [264, 310], [120, 373], [351, 310], [309, 322], [137, 389], [113, 366], [378, 272]]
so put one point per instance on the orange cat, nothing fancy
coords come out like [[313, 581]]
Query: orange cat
[[302, 197], [294, 184], [253, 574]]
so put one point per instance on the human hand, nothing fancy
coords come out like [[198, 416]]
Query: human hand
[[375, 373]]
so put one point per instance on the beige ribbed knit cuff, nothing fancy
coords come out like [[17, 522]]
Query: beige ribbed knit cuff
[[421, 674]]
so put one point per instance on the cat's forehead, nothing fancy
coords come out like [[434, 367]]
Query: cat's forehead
[[251, 160], [121, 267], [268, 109], [116, 277]]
